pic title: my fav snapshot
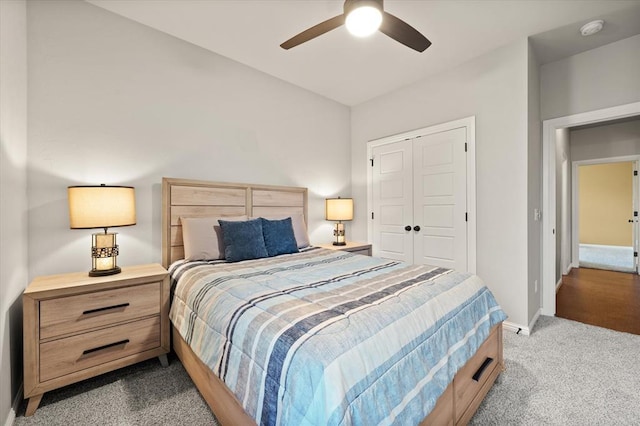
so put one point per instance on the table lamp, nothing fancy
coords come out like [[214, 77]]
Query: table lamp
[[102, 206], [339, 209]]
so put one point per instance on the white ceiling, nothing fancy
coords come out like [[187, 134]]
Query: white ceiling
[[351, 70]]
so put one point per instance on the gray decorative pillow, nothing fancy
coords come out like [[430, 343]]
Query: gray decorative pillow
[[202, 237], [243, 240]]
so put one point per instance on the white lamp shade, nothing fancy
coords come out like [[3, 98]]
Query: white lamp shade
[[101, 206], [339, 209]]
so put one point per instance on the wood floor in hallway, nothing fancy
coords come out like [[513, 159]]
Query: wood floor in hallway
[[604, 298]]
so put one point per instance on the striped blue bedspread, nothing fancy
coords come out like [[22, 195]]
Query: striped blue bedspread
[[327, 337]]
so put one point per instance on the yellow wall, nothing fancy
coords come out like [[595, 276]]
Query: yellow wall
[[606, 203]]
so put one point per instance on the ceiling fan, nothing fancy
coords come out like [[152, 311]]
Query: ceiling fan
[[363, 18]]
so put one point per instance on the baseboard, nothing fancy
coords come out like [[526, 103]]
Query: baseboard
[[567, 272], [515, 328], [10, 418], [14, 407], [569, 268], [534, 319]]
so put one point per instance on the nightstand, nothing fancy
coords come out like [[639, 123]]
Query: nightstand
[[353, 247], [77, 327]]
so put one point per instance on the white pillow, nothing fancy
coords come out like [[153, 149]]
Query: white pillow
[[299, 227], [202, 237]]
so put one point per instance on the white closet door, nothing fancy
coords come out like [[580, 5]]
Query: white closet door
[[440, 193], [393, 201]]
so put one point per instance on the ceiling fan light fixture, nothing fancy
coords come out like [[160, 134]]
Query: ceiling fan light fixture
[[364, 20]]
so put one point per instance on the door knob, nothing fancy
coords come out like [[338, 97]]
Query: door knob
[[416, 228], [407, 228]]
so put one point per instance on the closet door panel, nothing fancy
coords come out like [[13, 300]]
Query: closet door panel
[[393, 201], [438, 247], [439, 168]]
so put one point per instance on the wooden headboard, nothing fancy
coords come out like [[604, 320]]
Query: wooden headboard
[[195, 198]]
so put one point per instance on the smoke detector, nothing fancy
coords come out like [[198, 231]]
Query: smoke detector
[[592, 27]]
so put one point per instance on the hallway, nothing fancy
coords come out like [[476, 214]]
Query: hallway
[[603, 298]]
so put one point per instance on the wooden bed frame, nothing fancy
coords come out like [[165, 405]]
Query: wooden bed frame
[[193, 198]]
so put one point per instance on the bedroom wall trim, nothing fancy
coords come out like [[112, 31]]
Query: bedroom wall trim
[[520, 329], [534, 319], [549, 190], [516, 328], [11, 417]]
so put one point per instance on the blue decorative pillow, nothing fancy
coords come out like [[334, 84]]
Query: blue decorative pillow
[[243, 240], [278, 236]]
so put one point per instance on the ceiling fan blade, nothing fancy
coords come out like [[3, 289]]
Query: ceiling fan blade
[[404, 33], [313, 32]]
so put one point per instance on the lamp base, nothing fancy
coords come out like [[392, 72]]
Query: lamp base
[[338, 232], [104, 272], [104, 254]]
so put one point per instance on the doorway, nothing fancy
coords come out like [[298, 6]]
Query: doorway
[[601, 287], [605, 214], [550, 129]]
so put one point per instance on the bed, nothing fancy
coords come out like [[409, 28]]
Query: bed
[[274, 344]]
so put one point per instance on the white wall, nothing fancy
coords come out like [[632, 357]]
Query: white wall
[[13, 196], [492, 87], [115, 102], [605, 141], [534, 186], [592, 80]]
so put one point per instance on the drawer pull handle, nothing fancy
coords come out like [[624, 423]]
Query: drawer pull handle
[[93, 311], [483, 367], [99, 348]]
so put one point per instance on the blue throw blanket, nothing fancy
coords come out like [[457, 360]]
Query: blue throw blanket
[[326, 337]]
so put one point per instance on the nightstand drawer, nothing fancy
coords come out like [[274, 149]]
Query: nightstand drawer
[[64, 356], [86, 311]]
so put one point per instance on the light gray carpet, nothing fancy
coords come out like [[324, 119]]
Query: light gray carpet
[[142, 394], [613, 258], [565, 373]]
